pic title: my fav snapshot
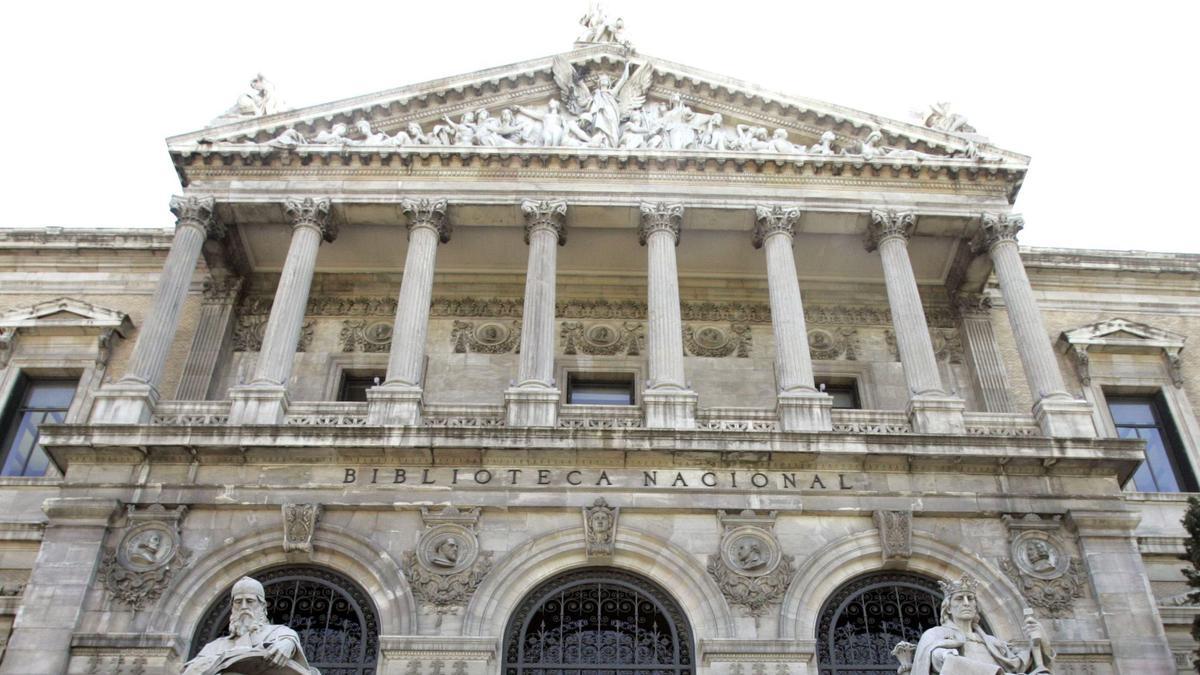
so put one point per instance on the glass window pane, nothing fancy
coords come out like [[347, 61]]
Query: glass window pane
[[40, 402], [601, 394], [1143, 480], [1165, 469], [50, 394], [1159, 462], [24, 440], [1131, 412]]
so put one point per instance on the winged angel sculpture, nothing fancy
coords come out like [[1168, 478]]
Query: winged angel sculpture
[[601, 112]]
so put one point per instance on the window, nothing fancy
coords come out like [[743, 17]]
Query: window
[[600, 389], [598, 621], [336, 621], [35, 401], [354, 387], [1145, 417], [843, 391]]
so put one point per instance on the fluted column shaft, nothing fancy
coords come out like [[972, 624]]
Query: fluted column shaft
[[660, 235], [310, 224], [1033, 345], [544, 232], [889, 233], [427, 227], [776, 229], [193, 224]]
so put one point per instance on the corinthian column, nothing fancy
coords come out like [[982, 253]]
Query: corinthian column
[[264, 400], [131, 399], [929, 408], [533, 401], [1058, 413], [398, 401], [668, 401], [801, 407]]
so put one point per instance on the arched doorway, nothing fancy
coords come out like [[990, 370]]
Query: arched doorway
[[596, 621], [333, 616], [864, 619]]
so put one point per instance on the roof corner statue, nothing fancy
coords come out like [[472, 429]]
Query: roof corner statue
[[259, 100], [253, 646], [960, 646]]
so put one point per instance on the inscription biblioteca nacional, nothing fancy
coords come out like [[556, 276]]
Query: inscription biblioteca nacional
[[603, 478]]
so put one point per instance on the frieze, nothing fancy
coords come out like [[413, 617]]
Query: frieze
[[715, 341], [149, 554], [248, 334], [488, 337], [603, 339], [838, 343], [366, 336], [947, 344], [618, 479]]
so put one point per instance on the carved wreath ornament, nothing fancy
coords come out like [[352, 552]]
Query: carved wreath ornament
[[141, 567], [751, 569], [1049, 577], [447, 565]]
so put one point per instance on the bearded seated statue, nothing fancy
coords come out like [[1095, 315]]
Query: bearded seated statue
[[960, 646], [253, 646]]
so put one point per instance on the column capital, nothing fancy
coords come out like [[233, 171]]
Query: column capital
[[197, 212], [548, 214], [973, 305], [774, 219], [222, 289], [429, 213], [997, 228], [660, 217], [889, 224], [311, 212]]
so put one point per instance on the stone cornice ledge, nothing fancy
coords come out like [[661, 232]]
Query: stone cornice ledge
[[440, 646], [79, 511], [144, 642], [771, 651]]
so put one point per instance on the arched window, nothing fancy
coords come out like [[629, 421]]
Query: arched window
[[333, 616], [865, 618], [598, 621]]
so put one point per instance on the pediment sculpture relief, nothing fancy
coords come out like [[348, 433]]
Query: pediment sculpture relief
[[254, 645]]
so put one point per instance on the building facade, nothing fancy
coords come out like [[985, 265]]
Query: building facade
[[571, 366]]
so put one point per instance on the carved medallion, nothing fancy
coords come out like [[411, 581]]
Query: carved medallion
[[489, 337], [832, 344], [447, 549], [141, 567], [364, 336], [751, 569], [600, 528], [447, 565], [715, 341], [603, 339], [1039, 563]]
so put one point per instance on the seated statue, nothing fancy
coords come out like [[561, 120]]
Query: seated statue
[[960, 647], [253, 645]]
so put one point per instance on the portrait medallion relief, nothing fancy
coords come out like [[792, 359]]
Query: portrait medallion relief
[[145, 559], [378, 333], [447, 549], [751, 551], [491, 333], [1037, 554], [602, 335], [711, 337], [147, 546]]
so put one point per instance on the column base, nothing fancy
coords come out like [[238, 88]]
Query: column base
[[124, 403], [669, 409], [937, 414], [531, 407], [394, 406], [258, 404], [805, 411], [1065, 417]]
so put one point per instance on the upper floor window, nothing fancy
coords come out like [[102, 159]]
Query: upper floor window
[[35, 401], [354, 387], [1145, 417], [844, 393], [600, 389]]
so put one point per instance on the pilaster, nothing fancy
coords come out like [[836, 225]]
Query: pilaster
[[398, 401], [534, 399], [131, 399], [983, 352], [668, 401], [212, 333], [264, 400]]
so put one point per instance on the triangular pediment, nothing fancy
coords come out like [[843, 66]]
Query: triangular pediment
[[64, 315], [1123, 335], [675, 108]]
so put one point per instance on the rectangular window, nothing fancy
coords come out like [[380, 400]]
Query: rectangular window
[[600, 388], [1145, 417], [844, 392], [34, 402], [354, 387]]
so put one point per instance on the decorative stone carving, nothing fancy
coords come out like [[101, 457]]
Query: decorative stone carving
[[973, 305], [939, 117], [1049, 577], [447, 565], [888, 223], [599, 29], [150, 553], [1083, 364], [895, 534], [660, 217], [718, 342], [254, 645], [197, 211], [998, 227], [603, 339], [772, 219], [959, 646], [366, 336], [489, 337], [1175, 368], [601, 111], [947, 344], [751, 569], [1121, 335], [299, 525], [427, 213], [547, 213], [258, 100], [312, 212], [248, 334], [600, 528], [833, 344]]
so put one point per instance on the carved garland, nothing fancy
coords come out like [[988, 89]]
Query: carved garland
[[717, 342], [489, 337], [248, 334], [143, 564], [603, 339]]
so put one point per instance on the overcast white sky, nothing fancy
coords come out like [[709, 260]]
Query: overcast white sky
[[1102, 96]]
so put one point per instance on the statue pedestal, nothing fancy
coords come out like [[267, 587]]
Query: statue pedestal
[[255, 662], [957, 665]]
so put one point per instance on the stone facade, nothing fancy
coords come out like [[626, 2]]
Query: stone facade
[[729, 285]]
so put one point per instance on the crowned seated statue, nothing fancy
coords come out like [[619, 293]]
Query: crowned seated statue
[[253, 646], [960, 647]]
